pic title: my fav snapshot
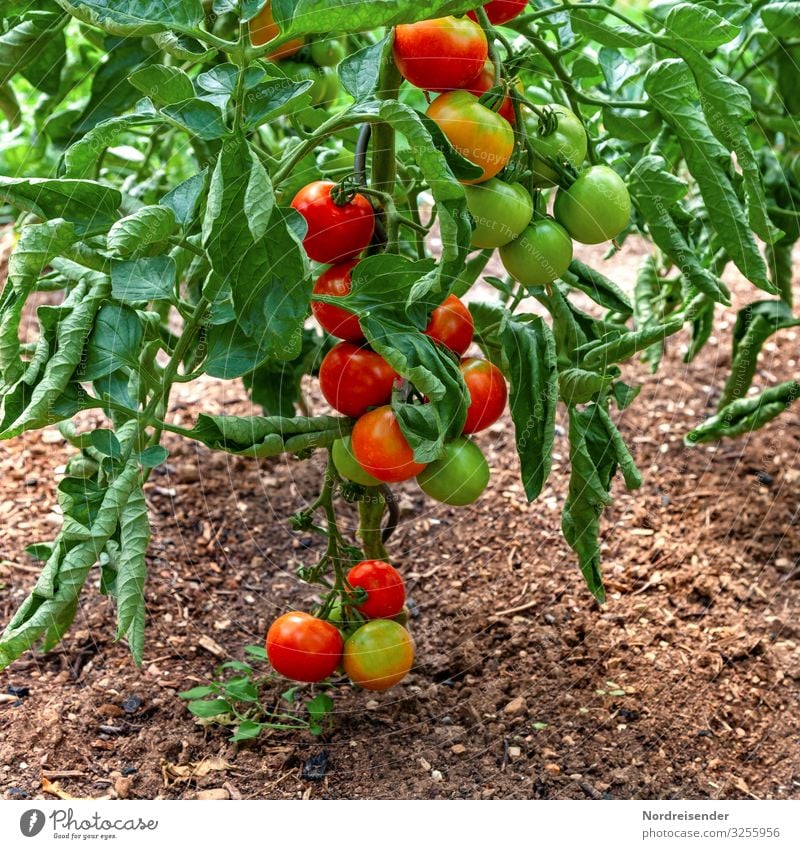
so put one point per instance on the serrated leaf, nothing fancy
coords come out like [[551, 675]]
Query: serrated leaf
[[136, 281], [133, 235], [163, 84], [136, 17]]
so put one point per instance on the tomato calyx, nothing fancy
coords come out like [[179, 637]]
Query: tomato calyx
[[344, 191]]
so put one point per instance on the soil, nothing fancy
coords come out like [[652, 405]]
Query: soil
[[684, 685]]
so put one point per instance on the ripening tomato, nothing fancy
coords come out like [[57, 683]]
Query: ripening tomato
[[440, 54], [263, 29], [540, 255], [451, 324], [347, 465], [336, 232], [328, 52], [354, 378], [378, 655], [567, 142], [502, 11], [338, 322], [501, 211], [303, 648], [596, 207], [477, 133], [483, 82], [487, 393], [386, 592], [381, 449], [459, 476]]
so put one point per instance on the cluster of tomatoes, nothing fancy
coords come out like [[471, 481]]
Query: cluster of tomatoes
[[358, 382], [377, 653], [450, 56]]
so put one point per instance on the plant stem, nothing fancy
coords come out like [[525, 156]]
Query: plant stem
[[384, 167], [370, 513]]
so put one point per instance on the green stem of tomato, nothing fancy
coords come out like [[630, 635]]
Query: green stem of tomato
[[384, 166], [370, 513], [488, 31]]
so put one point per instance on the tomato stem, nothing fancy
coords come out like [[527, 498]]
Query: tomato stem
[[370, 512]]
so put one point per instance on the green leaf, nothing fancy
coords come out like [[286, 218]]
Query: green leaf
[[360, 71], [115, 342], [746, 415], [623, 347], [22, 45], [153, 456], [49, 608], [673, 92], [529, 350], [133, 235], [782, 19], [591, 24], [578, 386], [183, 199], [136, 17], [196, 693], [699, 26], [209, 707], [598, 287], [163, 84], [199, 117], [137, 281], [627, 465], [247, 730], [267, 100], [269, 436], [106, 442], [646, 307], [656, 193], [90, 207]]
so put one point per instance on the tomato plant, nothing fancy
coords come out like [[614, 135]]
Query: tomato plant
[[487, 393], [441, 53], [175, 183], [386, 593], [337, 227], [451, 324], [459, 477], [353, 378], [378, 655], [481, 136], [303, 648]]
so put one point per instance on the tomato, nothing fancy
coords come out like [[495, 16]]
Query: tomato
[[303, 648], [378, 655], [540, 255], [353, 379], [336, 281], [381, 449], [335, 232], [386, 592], [477, 133], [451, 324], [322, 90], [442, 53], [459, 476], [487, 393], [328, 52], [501, 212], [502, 11], [483, 82], [263, 29], [596, 207], [347, 465], [567, 142]]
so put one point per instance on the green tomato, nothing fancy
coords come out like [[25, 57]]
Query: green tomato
[[459, 476], [568, 141], [325, 82], [347, 465], [596, 207], [328, 52], [501, 212], [540, 255]]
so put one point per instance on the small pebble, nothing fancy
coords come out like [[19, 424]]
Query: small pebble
[[437, 776], [216, 793], [458, 749], [515, 706]]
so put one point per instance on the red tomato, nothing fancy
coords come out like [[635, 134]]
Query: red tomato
[[501, 11], [303, 648], [487, 393], [263, 29], [386, 593], [478, 134], [353, 379], [335, 320], [442, 53], [483, 82], [451, 324], [335, 233], [381, 449]]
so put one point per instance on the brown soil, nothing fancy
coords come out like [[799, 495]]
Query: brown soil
[[685, 685]]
